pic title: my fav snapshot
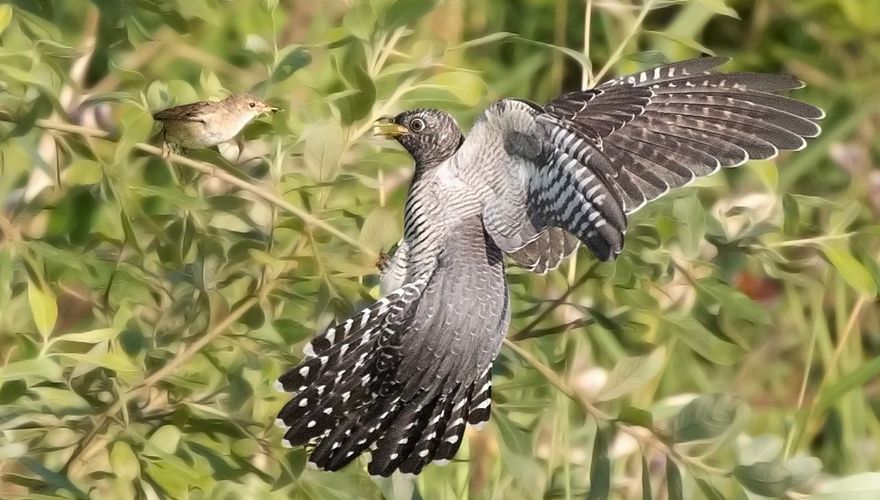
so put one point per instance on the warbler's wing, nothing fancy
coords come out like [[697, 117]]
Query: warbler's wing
[[193, 112]]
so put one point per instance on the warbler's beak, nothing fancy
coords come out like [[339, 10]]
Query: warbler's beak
[[384, 127]]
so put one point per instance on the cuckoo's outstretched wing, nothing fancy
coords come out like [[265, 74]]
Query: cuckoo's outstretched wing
[[587, 159]]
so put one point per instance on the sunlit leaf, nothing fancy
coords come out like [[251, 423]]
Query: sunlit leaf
[[706, 417], [323, 149], [89, 337], [849, 268], [702, 341], [5, 16], [83, 171], [853, 380], [466, 87], [719, 7], [123, 461], [165, 439], [803, 469], [631, 373], [44, 309]]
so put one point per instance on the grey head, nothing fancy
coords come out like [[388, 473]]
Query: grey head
[[430, 136]]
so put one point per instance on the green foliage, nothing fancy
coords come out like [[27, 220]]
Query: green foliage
[[147, 307]]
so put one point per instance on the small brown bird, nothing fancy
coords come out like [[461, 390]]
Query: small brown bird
[[208, 123]]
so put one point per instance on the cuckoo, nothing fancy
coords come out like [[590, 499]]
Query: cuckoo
[[404, 376]]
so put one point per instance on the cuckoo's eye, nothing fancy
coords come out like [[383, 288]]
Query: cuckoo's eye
[[417, 125], [252, 104]]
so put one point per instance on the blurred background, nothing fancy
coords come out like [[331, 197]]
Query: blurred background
[[147, 307]]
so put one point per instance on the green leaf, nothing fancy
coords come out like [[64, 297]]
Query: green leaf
[[701, 340], [323, 149], [11, 390], [404, 12], [44, 308], [89, 337], [165, 440], [124, 462], [5, 16], [851, 381], [646, 480], [691, 217], [378, 231], [767, 172], [686, 41], [632, 373], [52, 478], [674, 490], [513, 437], [764, 448], [769, 479], [719, 7], [484, 40], [600, 468], [291, 62], [636, 416], [576, 55], [709, 491], [706, 417], [467, 87], [360, 21], [82, 172], [849, 268], [42, 368], [733, 301], [803, 470]]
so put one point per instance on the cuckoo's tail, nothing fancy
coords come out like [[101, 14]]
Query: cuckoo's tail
[[404, 377]]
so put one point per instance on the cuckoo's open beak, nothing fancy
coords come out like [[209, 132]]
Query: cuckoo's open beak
[[384, 127]]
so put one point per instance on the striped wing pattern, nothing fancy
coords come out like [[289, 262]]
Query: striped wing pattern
[[632, 139]]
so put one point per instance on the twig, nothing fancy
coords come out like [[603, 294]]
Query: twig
[[524, 333], [652, 440], [587, 75], [619, 50], [214, 171]]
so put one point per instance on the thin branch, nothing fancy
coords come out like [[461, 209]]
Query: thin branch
[[619, 50], [214, 171], [652, 439], [587, 76], [524, 333]]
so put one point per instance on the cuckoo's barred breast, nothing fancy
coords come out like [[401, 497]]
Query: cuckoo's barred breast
[[403, 377]]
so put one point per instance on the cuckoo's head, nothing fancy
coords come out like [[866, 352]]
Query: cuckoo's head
[[429, 135]]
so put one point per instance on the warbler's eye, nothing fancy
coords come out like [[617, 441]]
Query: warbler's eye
[[417, 125], [252, 104]]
